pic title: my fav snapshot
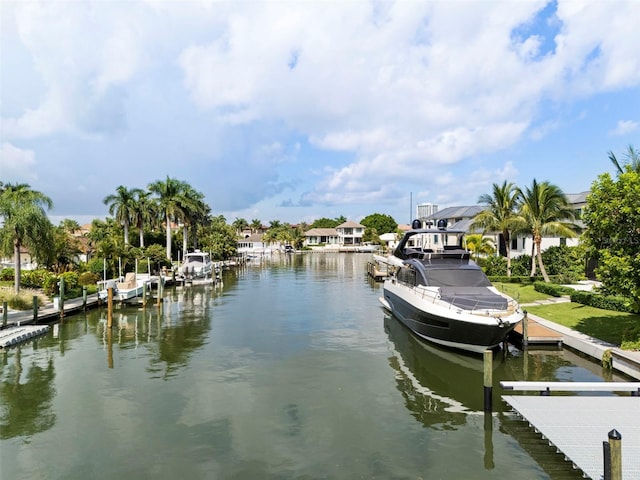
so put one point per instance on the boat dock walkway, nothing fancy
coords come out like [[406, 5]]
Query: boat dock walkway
[[49, 312], [578, 425]]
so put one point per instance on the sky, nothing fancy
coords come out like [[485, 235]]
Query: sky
[[298, 110]]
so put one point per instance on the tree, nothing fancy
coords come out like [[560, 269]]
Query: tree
[[145, 212], [192, 209], [169, 196], [240, 224], [256, 225], [500, 215], [328, 222], [122, 206], [381, 223], [612, 234], [370, 235], [25, 223], [478, 245], [220, 239], [545, 210], [632, 160]]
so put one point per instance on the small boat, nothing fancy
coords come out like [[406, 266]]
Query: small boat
[[197, 267], [443, 296], [127, 288]]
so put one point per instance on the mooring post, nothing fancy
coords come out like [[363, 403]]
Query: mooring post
[[5, 313], [61, 297], [613, 456], [109, 307], [35, 308], [84, 298], [525, 330], [488, 380], [144, 295]]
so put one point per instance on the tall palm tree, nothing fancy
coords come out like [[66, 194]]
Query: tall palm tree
[[500, 215], [240, 224], [122, 206], [144, 212], [169, 195], [632, 160], [546, 211], [192, 209], [25, 222]]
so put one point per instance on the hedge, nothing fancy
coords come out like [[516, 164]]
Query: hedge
[[606, 302], [552, 289]]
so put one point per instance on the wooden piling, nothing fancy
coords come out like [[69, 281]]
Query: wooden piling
[[84, 298], [5, 312], [613, 456], [35, 308], [525, 331], [144, 295], [109, 307], [61, 297], [488, 380]]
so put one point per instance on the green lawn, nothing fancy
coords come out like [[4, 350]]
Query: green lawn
[[523, 293], [606, 325]]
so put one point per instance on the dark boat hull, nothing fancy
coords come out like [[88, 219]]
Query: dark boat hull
[[452, 330]]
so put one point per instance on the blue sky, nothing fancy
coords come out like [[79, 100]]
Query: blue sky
[[300, 110]]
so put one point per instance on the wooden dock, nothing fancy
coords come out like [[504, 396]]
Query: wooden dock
[[578, 425], [536, 334]]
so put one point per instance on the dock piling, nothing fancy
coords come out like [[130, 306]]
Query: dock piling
[[35, 309], [525, 330], [61, 297], [5, 313], [84, 298], [109, 307], [612, 451], [488, 380]]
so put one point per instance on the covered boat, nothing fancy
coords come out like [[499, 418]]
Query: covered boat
[[443, 296]]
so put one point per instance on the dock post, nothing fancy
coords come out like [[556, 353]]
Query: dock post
[[109, 307], [144, 295], [525, 330], [613, 456], [35, 309], [61, 297], [84, 298], [5, 313], [488, 380]]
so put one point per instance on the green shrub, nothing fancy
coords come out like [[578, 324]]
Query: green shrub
[[23, 300], [34, 278], [70, 280], [512, 279], [631, 338], [7, 274], [606, 302], [88, 278], [552, 289]]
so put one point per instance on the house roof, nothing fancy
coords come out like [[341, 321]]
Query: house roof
[[458, 212], [350, 224], [575, 198], [321, 232], [256, 237]]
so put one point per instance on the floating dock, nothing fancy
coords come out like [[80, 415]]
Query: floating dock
[[578, 425], [12, 336]]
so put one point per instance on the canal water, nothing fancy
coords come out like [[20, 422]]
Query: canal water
[[289, 370]]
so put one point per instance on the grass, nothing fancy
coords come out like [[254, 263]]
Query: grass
[[618, 328], [23, 300], [523, 293]]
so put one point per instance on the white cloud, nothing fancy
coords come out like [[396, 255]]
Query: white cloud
[[16, 165], [624, 127]]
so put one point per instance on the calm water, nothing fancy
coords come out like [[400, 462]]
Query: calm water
[[291, 370]]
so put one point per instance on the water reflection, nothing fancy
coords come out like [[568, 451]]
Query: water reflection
[[26, 399], [440, 387]]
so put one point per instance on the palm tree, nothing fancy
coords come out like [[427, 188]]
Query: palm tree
[[193, 209], [500, 215], [169, 196], [632, 160], [25, 222], [122, 206], [256, 225], [144, 212], [479, 244], [239, 224], [546, 211]]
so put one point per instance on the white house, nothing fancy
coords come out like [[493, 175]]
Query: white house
[[350, 233]]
